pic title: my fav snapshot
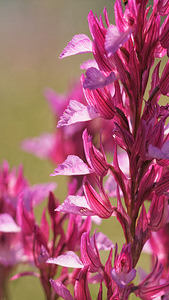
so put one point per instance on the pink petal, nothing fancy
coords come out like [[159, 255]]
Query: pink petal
[[61, 290], [122, 279], [95, 79], [75, 205], [69, 259], [79, 44], [73, 165], [40, 146], [77, 112], [115, 39], [7, 224], [88, 64], [41, 191], [56, 101]]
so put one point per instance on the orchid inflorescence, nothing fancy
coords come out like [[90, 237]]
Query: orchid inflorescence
[[110, 113]]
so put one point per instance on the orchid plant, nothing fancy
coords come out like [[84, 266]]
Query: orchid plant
[[110, 114]]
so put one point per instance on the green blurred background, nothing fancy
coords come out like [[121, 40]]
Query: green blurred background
[[33, 34]]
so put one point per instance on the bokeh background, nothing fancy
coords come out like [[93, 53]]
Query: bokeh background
[[33, 34]]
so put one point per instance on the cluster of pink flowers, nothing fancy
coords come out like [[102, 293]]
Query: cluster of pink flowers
[[106, 115]]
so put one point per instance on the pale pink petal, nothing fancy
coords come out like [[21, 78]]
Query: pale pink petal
[[88, 64], [40, 146], [73, 165], [69, 259], [7, 224], [61, 290], [41, 191], [115, 39], [75, 205], [56, 101], [79, 44], [77, 112]]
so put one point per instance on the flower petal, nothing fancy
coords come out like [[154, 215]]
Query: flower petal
[[69, 259], [79, 44], [75, 205], [95, 79], [115, 39], [7, 224], [73, 165], [77, 112]]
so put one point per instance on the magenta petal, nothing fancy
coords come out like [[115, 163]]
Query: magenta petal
[[61, 290], [122, 279], [79, 44], [7, 224], [73, 165], [95, 79], [115, 39], [164, 81], [75, 205], [69, 259], [77, 112]]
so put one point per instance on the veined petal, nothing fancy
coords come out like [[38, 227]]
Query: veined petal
[[79, 44], [69, 259], [101, 207], [115, 39], [77, 112], [73, 165], [75, 205], [95, 79], [122, 279], [61, 290]]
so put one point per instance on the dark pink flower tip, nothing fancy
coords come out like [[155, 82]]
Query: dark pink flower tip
[[96, 159], [61, 290], [79, 44], [100, 206], [164, 81], [89, 253]]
